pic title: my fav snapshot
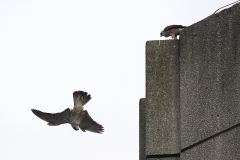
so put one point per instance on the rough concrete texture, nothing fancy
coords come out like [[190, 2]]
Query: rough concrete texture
[[142, 129], [223, 147], [162, 97], [210, 82]]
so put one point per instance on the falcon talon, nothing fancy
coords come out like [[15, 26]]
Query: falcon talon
[[77, 120]]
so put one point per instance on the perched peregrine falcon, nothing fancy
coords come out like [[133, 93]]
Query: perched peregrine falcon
[[172, 30], [77, 117]]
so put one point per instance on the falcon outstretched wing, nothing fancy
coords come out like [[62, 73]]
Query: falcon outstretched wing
[[87, 123], [54, 119]]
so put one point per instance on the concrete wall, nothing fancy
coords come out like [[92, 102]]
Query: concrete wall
[[192, 105], [210, 86]]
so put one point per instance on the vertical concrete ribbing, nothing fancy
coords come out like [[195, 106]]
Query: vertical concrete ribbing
[[162, 98], [142, 129]]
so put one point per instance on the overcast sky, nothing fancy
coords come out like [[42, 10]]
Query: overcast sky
[[50, 48]]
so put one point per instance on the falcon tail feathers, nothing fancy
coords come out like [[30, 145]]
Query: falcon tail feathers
[[81, 96]]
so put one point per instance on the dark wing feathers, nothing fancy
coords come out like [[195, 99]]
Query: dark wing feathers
[[173, 26], [87, 123], [54, 119]]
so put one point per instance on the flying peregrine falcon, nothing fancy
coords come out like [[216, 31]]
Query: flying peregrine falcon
[[77, 117], [172, 30]]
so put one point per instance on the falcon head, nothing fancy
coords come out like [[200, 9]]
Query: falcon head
[[76, 128], [161, 34]]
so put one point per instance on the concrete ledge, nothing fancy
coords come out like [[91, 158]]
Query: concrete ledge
[[162, 97]]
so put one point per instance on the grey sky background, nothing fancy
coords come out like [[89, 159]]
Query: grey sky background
[[50, 48]]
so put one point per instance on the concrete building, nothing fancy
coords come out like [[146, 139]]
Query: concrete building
[[192, 106]]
